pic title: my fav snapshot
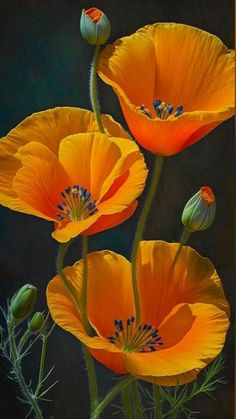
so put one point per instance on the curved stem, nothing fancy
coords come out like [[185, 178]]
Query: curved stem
[[63, 247], [127, 403], [42, 363], [157, 398], [17, 369], [85, 284], [72, 293], [138, 408], [110, 395], [183, 239], [24, 339], [93, 89], [140, 229], [92, 379]]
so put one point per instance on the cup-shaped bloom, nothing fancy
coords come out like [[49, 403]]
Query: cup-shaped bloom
[[37, 323], [94, 26], [184, 313], [174, 82], [199, 212], [23, 302], [84, 182]]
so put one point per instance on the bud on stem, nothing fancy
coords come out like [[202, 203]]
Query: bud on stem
[[23, 302]]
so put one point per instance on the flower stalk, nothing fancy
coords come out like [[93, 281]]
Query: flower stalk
[[137, 402], [183, 240], [140, 229], [80, 307], [93, 90], [111, 395], [157, 399], [31, 398]]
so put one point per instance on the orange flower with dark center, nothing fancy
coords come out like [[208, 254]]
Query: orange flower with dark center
[[184, 316], [54, 166], [175, 84]]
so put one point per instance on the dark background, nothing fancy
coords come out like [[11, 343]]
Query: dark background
[[45, 63]]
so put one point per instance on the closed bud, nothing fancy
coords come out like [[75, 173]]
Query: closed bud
[[199, 212], [36, 324], [94, 26], [23, 302]]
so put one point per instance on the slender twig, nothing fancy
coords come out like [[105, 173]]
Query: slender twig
[[140, 228]]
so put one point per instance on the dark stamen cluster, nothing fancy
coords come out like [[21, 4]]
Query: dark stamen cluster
[[163, 110], [76, 204], [133, 338]]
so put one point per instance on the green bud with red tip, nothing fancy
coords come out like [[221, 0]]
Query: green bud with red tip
[[94, 26], [199, 212]]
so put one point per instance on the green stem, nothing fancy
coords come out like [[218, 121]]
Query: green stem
[[92, 379], [42, 363], [63, 247], [85, 285], [157, 398], [138, 408], [24, 339], [71, 291], [110, 395], [127, 403], [183, 239], [17, 369], [93, 89], [140, 229]]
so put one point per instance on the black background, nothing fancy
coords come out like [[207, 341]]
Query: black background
[[45, 63]]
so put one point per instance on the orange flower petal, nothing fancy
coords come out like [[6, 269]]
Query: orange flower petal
[[65, 314], [41, 179], [89, 159], [197, 346], [112, 360], [51, 126], [203, 82], [111, 220], [64, 233], [194, 280]]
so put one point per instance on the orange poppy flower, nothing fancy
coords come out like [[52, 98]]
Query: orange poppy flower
[[53, 165], [184, 316], [175, 84]]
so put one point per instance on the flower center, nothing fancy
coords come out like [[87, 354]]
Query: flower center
[[132, 338], [163, 110], [76, 204]]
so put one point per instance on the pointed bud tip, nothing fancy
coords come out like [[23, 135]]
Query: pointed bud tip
[[94, 26], [199, 212]]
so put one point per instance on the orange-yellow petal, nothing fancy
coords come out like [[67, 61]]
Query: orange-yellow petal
[[194, 347], [89, 158], [203, 82], [65, 314], [51, 126], [41, 179], [194, 280], [111, 220]]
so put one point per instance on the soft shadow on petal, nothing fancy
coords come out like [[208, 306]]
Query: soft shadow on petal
[[198, 347], [194, 280]]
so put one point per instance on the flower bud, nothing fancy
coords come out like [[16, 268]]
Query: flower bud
[[22, 303], [199, 212], [94, 26], [36, 324]]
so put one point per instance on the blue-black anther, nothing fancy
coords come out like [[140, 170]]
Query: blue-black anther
[[156, 103], [152, 348]]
